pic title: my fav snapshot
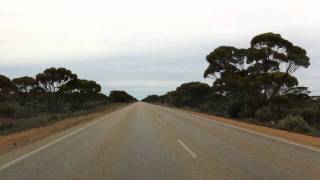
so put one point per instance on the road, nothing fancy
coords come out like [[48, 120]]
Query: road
[[143, 141]]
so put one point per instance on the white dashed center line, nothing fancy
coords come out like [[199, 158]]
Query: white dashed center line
[[159, 120], [194, 155]]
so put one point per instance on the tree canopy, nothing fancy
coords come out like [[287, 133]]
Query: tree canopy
[[256, 83], [25, 83], [5, 84], [266, 67], [121, 97], [82, 86], [52, 79]]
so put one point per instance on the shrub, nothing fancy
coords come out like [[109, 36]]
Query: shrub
[[264, 114], [294, 123], [24, 112], [7, 111], [6, 126], [311, 114], [208, 107], [53, 118], [234, 109], [245, 112], [204, 108]]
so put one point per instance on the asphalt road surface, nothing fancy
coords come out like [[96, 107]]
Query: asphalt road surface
[[143, 141]]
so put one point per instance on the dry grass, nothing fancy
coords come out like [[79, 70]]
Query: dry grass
[[19, 139]]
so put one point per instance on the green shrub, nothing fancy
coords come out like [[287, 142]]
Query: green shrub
[[245, 112], [280, 106], [208, 107], [53, 118], [8, 111], [311, 114], [24, 112], [6, 126], [294, 123], [234, 109], [264, 114]]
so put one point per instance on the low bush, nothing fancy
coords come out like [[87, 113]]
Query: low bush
[[235, 108], [53, 118], [7, 111], [4, 127], [264, 114], [205, 108], [246, 112], [294, 123], [24, 112], [311, 114]]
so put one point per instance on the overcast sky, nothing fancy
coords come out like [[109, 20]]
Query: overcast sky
[[146, 46]]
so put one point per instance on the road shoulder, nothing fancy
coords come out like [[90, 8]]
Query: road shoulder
[[302, 139], [18, 140]]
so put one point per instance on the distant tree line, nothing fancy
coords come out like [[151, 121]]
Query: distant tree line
[[256, 84], [54, 90]]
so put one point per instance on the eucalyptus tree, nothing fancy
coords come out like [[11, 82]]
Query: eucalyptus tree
[[82, 86], [51, 80], [269, 50], [24, 86], [273, 60], [5, 84], [266, 67], [6, 87], [191, 94], [78, 91], [251, 78], [225, 59], [121, 97], [227, 65]]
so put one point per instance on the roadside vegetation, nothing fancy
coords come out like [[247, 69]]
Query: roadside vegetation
[[255, 84], [52, 95]]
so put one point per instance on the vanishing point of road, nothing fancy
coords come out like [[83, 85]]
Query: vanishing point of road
[[144, 141]]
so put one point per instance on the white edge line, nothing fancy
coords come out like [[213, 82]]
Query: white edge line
[[10, 163], [252, 132], [187, 149], [257, 133]]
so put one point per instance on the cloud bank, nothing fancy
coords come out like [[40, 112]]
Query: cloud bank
[[146, 46]]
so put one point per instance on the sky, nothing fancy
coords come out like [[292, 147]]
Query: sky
[[147, 46]]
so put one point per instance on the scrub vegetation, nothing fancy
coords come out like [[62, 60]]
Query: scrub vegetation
[[254, 84], [52, 95]]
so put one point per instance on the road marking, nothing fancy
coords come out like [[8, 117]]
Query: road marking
[[187, 149], [12, 162], [257, 133], [251, 131], [159, 120]]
